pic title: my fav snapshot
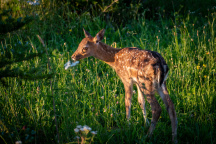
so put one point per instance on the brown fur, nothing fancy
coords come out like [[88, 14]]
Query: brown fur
[[147, 69]]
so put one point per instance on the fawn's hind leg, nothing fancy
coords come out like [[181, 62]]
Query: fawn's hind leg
[[148, 90], [170, 108]]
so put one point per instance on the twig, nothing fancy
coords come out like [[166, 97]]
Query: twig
[[110, 5], [42, 42]]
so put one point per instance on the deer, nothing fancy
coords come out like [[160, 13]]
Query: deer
[[144, 68]]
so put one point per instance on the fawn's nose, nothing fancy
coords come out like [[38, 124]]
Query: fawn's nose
[[73, 57]]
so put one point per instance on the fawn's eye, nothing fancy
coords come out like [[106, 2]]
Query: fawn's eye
[[84, 49]]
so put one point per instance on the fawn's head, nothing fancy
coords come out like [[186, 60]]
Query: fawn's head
[[88, 45]]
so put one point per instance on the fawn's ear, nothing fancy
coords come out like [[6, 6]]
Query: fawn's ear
[[99, 36], [87, 34]]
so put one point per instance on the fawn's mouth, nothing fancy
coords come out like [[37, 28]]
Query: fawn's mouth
[[76, 57]]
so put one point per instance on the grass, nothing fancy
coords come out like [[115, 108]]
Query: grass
[[92, 94]]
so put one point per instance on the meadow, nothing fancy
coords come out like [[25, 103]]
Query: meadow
[[49, 110]]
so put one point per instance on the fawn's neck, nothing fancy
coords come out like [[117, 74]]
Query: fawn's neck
[[106, 53]]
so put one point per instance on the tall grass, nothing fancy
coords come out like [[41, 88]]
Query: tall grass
[[92, 94]]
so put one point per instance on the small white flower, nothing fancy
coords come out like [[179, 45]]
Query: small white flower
[[76, 130], [81, 129], [94, 132], [75, 63], [33, 3], [102, 97], [79, 126], [69, 64], [86, 128]]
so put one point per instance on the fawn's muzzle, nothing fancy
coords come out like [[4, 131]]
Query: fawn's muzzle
[[73, 57], [76, 57]]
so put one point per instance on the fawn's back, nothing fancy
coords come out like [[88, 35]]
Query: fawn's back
[[140, 65]]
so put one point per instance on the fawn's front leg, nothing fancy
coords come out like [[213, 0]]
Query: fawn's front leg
[[128, 95], [141, 101]]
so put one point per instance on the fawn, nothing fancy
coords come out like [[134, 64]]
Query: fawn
[[144, 68]]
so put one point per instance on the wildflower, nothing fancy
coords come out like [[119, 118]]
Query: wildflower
[[111, 115], [70, 30], [134, 91], [207, 53], [33, 3], [69, 64], [205, 76], [79, 126], [86, 128], [117, 102], [191, 39], [94, 132], [204, 65], [76, 130], [198, 67], [102, 97]]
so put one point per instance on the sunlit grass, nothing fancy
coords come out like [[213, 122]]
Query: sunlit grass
[[92, 94]]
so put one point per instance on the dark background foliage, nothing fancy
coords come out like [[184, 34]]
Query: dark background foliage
[[35, 110]]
